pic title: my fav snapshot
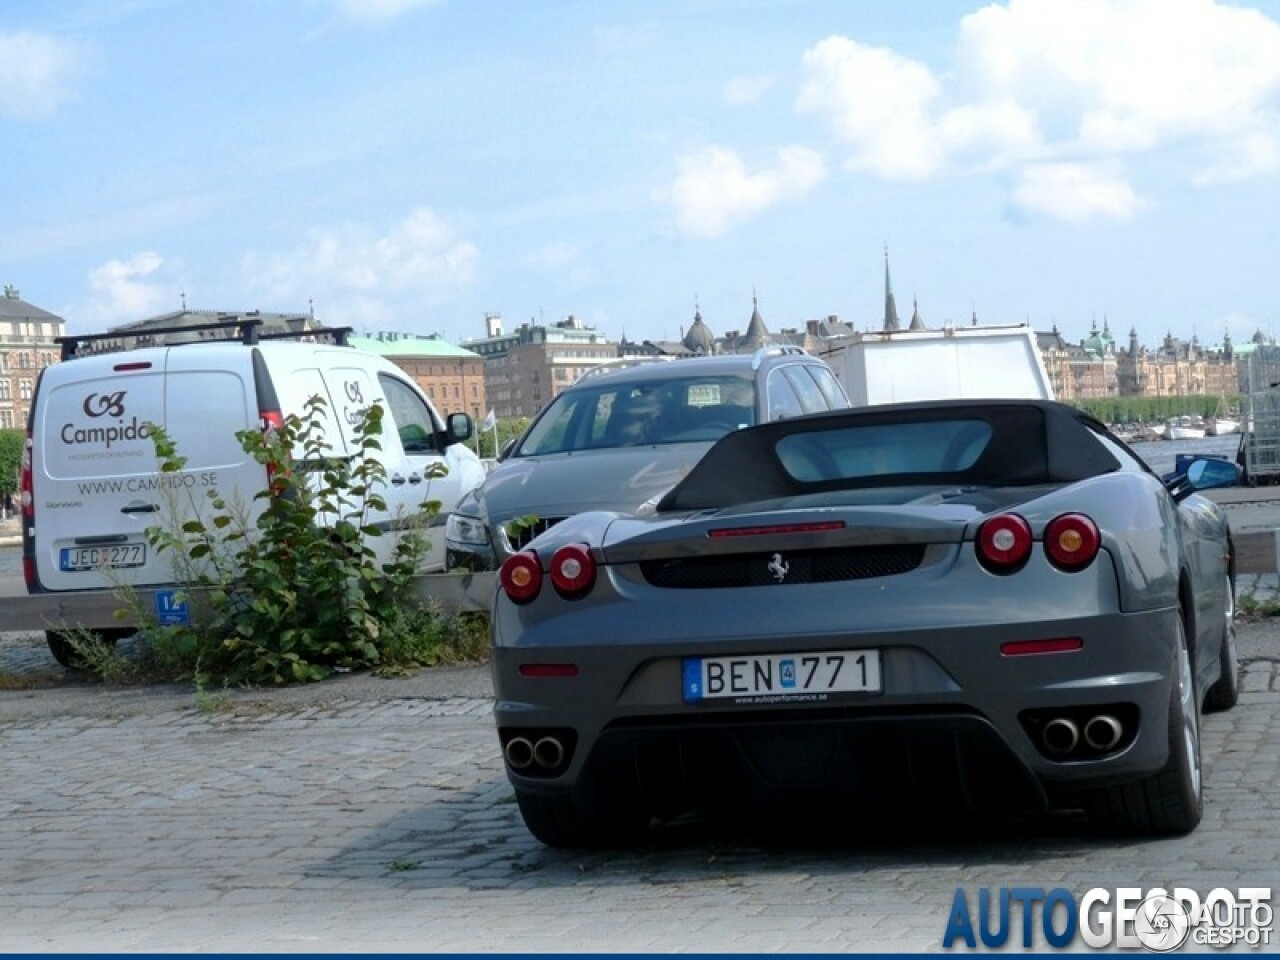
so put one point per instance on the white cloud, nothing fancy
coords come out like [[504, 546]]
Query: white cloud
[[739, 91], [419, 258], [878, 102], [1047, 82], [1256, 153], [130, 290], [38, 74], [1129, 75], [714, 192], [1075, 193]]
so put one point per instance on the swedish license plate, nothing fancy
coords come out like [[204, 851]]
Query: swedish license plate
[[780, 677], [114, 555]]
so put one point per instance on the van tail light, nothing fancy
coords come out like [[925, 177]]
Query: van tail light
[[26, 494], [270, 421], [573, 570], [26, 488], [521, 576], [1072, 541], [1004, 543]]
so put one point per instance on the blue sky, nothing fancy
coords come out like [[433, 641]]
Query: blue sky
[[414, 165]]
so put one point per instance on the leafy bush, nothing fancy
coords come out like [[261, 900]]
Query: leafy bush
[[291, 587]]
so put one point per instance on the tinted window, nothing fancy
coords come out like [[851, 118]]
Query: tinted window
[[783, 401], [412, 418], [670, 410], [883, 450], [806, 388], [829, 385]]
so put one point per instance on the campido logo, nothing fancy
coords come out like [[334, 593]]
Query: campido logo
[[97, 406], [1157, 920]]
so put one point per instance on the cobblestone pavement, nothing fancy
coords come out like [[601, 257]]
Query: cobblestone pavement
[[374, 815]]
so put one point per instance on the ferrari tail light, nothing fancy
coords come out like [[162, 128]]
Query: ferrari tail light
[[1071, 541], [521, 576], [1004, 543], [573, 570]]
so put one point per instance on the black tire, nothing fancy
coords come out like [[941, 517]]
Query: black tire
[[1171, 801], [558, 821], [65, 653], [1225, 692]]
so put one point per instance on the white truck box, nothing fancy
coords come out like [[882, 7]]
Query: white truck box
[[960, 362]]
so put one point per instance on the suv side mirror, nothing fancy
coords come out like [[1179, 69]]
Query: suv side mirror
[[459, 427], [506, 449]]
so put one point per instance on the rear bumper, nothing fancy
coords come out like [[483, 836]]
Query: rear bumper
[[956, 717]]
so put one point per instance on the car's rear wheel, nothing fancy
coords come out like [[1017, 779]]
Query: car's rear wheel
[[66, 652], [1224, 694], [1171, 801], [559, 821]]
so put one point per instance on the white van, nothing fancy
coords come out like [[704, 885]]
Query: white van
[[91, 485]]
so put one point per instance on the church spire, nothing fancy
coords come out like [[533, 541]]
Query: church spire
[[890, 308]]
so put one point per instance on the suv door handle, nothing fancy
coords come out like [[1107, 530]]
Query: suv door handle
[[140, 508], [415, 478], [397, 480]]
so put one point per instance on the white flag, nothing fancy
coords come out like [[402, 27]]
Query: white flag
[[490, 421]]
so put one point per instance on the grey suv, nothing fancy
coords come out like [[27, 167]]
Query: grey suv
[[617, 439]]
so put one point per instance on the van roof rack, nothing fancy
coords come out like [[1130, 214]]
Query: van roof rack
[[246, 331]]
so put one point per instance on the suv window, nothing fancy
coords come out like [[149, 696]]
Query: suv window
[[783, 401], [411, 416], [651, 411], [811, 396], [830, 387]]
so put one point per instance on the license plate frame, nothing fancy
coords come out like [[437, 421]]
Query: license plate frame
[[100, 556], [814, 675]]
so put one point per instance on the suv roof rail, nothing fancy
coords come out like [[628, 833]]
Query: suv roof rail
[[774, 350], [246, 331], [621, 363]]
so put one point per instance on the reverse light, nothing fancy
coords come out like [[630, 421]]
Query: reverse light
[[521, 576], [1004, 543], [1071, 541], [573, 570]]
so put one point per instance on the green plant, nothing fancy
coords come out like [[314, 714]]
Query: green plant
[[293, 584], [12, 441]]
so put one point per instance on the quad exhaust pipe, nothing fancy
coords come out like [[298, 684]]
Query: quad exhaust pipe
[[1103, 732], [519, 753], [1100, 733], [546, 753], [1060, 736]]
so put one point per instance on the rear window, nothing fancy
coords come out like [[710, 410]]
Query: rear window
[[884, 450]]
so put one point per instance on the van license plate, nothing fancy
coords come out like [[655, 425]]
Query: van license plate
[[781, 677], [115, 555]]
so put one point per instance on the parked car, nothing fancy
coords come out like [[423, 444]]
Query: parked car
[[969, 606], [91, 485], [621, 436]]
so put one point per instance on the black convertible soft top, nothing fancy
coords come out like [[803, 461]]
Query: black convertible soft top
[[966, 442]]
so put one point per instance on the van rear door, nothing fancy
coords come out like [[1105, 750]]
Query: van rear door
[[95, 479]]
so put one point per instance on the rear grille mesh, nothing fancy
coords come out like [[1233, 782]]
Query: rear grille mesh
[[523, 533], [771, 569]]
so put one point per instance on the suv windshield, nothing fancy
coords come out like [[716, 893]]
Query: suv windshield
[[671, 410]]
